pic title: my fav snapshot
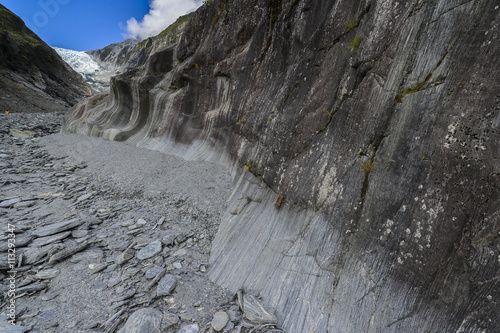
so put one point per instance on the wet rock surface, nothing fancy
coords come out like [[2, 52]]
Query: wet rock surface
[[99, 251]]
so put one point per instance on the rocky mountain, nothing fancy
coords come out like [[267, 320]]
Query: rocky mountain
[[115, 55], [33, 77], [132, 53], [363, 138]]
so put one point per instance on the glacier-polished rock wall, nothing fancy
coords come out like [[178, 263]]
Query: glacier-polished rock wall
[[379, 122]]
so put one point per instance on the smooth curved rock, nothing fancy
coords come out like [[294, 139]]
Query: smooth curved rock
[[143, 321], [166, 285], [219, 321], [379, 123]]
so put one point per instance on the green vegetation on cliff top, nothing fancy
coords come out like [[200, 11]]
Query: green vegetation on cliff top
[[19, 46], [171, 34]]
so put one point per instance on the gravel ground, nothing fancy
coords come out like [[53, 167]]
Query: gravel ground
[[109, 237]]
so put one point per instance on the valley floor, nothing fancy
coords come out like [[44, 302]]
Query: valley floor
[[104, 229]]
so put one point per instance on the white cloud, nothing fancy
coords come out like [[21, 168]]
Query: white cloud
[[161, 14]]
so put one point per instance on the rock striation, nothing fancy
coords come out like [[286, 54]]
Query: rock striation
[[377, 121], [33, 77]]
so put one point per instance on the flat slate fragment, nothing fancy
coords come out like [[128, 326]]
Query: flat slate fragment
[[55, 228], [50, 239], [150, 250]]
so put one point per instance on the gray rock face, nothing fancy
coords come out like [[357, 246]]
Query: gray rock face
[[143, 321], [379, 123]]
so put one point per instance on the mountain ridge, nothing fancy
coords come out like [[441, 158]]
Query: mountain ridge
[[34, 77]]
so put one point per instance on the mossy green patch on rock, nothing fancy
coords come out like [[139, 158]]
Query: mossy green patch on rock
[[354, 44], [351, 25], [413, 89]]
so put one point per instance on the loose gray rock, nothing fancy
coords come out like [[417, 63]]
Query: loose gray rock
[[9, 203], [35, 254], [84, 197], [124, 256], [96, 268], [58, 227], [21, 240], [32, 287], [47, 274], [169, 320], [22, 134], [50, 295], [79, 233], [169, 238], [99, 286], [180, 253], [143, 321], [254, 310], [25, 204], [150, 250], [189, 328], [68, 251], [166, 285], [114, 280], [220, 321], [120, 246], [153, 271], [50, 239]]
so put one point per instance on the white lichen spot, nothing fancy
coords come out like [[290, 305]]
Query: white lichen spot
[[400, 261], [402, 243], [408, 231], [403, 209], [424, 207], [450, 136], [390, 223], [417, 234], [421, 187], [453, 219], [420, 247], [416, 198], [329, 190], [489, 297]]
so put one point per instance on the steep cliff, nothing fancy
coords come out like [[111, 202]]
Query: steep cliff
[[33, 77], [379, 122], [132, 53]]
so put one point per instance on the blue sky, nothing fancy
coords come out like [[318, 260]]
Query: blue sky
[[92, 24]]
